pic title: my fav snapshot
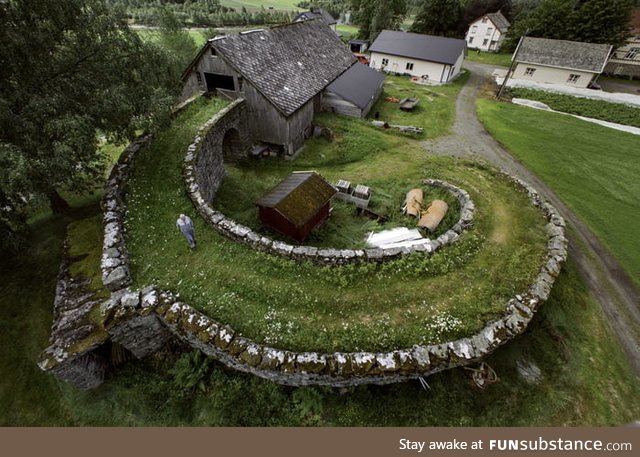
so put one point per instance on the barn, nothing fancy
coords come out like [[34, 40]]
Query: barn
[[281, 73], [354, 92], [296, 206]]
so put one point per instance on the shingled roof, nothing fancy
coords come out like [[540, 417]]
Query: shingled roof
[[288, 64], [417, 46], [299, 197], [316, 13], [499, 21], [359, 84], [573, 55]]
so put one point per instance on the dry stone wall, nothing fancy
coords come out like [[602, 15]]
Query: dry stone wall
[[143, 320], [204, 172]]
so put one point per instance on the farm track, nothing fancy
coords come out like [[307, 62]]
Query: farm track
[[605, 278]]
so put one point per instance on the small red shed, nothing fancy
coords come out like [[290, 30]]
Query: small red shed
[[297, 205]]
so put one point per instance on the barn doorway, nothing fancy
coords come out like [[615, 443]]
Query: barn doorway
[[217, 81], [232, 145]]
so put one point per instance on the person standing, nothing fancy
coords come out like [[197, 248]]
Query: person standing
[[185, 225]]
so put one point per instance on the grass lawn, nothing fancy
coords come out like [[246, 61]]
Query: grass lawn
[[305, 307], [288, 5], [348, 32], [592, 168], [435, 112], [153, 35], [491, 58]]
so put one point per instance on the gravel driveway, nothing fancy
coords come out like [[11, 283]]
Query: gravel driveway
[[605, 278]]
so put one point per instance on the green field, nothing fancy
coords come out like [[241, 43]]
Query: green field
[[199, 37], [490, 58], [592, 168], [287, 5], [348, 31]]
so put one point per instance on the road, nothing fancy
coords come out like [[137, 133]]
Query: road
[[605, 278]]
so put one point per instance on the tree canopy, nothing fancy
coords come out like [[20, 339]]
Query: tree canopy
[[69, 71], [593, 21], [374, 16], [439, 17]]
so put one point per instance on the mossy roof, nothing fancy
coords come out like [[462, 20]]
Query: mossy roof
[[299, 197]]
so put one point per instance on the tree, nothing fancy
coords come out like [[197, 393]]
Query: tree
[[439, 17], [477, 8], [374, 16], [179, 45], [68, 71], [593, 21]]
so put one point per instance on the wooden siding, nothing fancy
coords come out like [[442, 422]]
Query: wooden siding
[[276, 221]]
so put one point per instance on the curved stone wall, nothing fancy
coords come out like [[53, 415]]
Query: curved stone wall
[[204, 172], [143, 320]]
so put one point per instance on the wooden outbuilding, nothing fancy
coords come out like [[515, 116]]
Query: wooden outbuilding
[[298, 205]]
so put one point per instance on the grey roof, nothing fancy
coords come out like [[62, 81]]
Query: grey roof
[[359, 84], [289, 64], [299, 196], [565, 54], [316, 13], [499, 21], [417, 46]]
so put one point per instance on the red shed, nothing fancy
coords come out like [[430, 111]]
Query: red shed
[[297, 205]]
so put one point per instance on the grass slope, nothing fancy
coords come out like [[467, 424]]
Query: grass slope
[[304, 307], [592, 168], [490, 58]]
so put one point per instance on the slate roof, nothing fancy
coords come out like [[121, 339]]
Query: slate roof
[[417, 46], [359, 84], [288, 64], [573, 55], [316, 13], [299, 197], [499, 21]]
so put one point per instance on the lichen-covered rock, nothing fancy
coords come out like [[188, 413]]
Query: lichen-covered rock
[[310, 362]]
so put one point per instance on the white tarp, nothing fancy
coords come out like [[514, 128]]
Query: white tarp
[[397, 235]]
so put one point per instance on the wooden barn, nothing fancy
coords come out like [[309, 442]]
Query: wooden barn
[[280, 72], [296, 206], [354, 92]]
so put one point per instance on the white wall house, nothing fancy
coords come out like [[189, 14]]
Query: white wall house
[[487, 32], [625, 60], [559, 62], [434, 59]]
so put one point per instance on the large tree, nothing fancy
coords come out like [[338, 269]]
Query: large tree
[[374, 16], [439, 17], [594, 21], [70, 71]]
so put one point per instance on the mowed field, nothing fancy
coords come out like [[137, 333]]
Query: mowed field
[[593, 169], [257, 4]]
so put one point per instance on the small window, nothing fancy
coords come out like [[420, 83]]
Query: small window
[[573, 78], [632, 53], [385, 62], [199, 78], [470, 40], [485, 41], [529, 71], [474, 29], [489, 31], [409, 66], [484, 20], [213, 51]]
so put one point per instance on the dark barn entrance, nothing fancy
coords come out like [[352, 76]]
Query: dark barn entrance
[[218, 81]]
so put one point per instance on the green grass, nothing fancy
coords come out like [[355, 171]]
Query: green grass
[[349, 32], [199, 37], [592, 168], [490, 58], [598, 109], [435, 112], [305, 307], [287, 5]]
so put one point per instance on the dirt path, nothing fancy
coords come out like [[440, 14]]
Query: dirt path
[[606, 280]]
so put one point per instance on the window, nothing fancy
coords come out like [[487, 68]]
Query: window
[[409, 66], [470, 40], [485, 41], [489, 31], [573, 78], [529, 71], [474, 29], [199, 78], [484, 20], [632, 53], [385, 62], [213, 52]]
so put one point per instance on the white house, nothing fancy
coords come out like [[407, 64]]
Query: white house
[[569, 63], [625, 60], [487, 32], [435, 59]]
